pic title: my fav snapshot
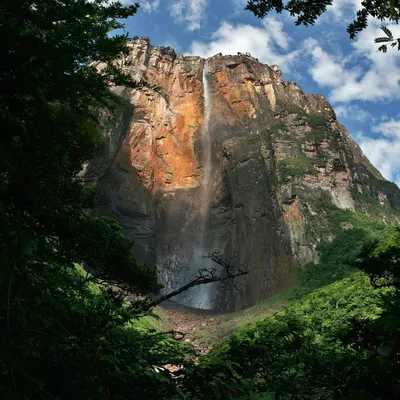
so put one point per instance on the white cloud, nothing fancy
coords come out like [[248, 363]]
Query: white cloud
[[390, 128], [240, 3], [375, 76], [274, 28], [342, 10], [354, 112], [191, 13], [149, 5], [383, 150], [325, 70], [262, 42], [128, 2]]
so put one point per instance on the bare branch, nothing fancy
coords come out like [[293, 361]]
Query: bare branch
[[206, 276]]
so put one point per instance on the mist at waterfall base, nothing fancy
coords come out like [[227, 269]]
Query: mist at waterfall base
[[203, 296]]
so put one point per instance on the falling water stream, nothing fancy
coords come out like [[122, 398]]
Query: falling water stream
[[202, 295], [207, 148]]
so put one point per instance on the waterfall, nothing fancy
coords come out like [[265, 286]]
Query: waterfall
[[207, 146], [202, 296]]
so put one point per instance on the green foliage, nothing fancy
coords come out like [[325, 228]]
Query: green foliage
[[381, 260], [277, 127], [294, 166], [297, 352], [319, 129], [76, 340], [290, 108], [318, 120], [249, 138], [387, 39], [62, 335], [369, 199], [306, 14], [348, 231]]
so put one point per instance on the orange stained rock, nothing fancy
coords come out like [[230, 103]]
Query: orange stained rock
[[239, 97], [162, 141], [292, 215]]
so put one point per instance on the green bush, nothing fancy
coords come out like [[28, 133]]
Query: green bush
[[295, 166]]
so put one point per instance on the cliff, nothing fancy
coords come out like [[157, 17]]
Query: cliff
[[222, 155]]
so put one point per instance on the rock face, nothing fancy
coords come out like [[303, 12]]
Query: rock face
[[222, 155]]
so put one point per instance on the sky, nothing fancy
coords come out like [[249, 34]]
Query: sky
[[362, 85]]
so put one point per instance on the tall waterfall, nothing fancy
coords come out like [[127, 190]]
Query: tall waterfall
[[207, 147], [202, 296]]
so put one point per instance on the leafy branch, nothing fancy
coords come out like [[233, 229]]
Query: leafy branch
[[389, 39]]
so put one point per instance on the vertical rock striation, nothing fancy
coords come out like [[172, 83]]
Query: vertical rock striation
[[223, 155]]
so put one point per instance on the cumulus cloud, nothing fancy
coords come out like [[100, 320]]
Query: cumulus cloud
[[191, 13], [265, 42], [383, 150], [375, 76]]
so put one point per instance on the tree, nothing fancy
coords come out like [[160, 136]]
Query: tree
[[381, 261], [49, 124], [307, 12], [62, 335]]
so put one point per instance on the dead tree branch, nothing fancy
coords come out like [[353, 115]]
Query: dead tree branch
[[206, 276]]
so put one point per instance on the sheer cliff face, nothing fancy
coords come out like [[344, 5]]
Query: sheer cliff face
[[276, 155]]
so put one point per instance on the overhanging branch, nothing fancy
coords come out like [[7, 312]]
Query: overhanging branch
[[206, 276]]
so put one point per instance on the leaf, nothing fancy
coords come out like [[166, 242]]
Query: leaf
[[392, 9], [155, 316], [382, 39], [383, 48], [96, 300], [387, 32]]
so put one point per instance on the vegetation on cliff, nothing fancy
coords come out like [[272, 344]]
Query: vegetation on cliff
[[68, 332]]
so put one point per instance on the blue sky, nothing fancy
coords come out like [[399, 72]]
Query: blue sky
[[362, 85]]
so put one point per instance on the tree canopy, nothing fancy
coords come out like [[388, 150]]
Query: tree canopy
[[63, 334]]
